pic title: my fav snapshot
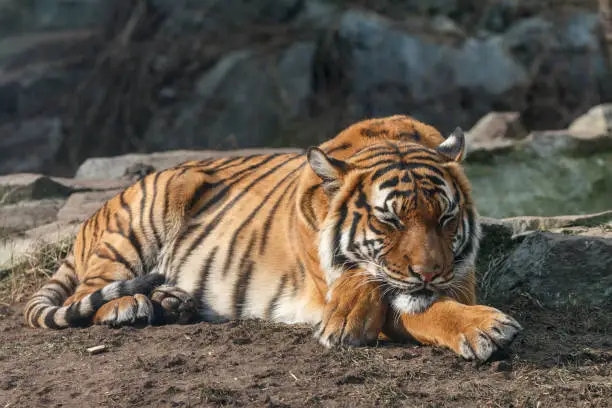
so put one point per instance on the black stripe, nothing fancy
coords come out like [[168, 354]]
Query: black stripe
[[94, 227], [373, 228], [337, 257], [307, 208], [167, 192], [362, 200], [141, 213], [117, 258], [356, 218], [230, 162], [134, 240], [245, 269], [60, 284], [240, 289], [57, 293], [244, 173], [158, 242], [203, 278], [267, 226], [469, 237], [253, 213], [400, 193], [274, 301], [302, 270], [343, 146], [406, 166], [50, 319], [83, 239], [246, 256], [198, 193], [40, 311], [392, 182]]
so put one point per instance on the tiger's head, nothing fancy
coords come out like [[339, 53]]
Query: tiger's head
[[402, 214]]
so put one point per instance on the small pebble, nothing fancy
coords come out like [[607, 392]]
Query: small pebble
[[96, 349]]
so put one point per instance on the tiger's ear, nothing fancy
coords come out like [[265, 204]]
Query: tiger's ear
[[453, 147], [331, 171]]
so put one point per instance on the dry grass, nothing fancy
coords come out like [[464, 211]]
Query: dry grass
[[35, 267]]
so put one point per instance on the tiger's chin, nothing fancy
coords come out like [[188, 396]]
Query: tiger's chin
[[415, 302]]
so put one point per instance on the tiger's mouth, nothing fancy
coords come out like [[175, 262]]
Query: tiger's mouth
[[423, 292]]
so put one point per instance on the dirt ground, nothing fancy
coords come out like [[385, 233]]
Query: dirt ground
[[563, 359]]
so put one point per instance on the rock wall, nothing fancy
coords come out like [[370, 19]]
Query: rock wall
[[83, 78]]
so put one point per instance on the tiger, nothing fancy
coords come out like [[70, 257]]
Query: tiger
[[372, 235]]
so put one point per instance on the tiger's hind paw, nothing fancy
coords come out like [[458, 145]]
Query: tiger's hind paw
[[134, 310], [177, 306]]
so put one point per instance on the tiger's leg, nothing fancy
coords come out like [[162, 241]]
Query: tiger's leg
[[354, 313], [174, 305], [123, 241], [473, 331]]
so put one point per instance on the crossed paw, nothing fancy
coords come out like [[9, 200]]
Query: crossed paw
[[352, 317]]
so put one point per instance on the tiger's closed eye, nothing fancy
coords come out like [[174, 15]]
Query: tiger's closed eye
[[389, 219]]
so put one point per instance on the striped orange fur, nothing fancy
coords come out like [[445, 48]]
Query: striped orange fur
[[373, 233]]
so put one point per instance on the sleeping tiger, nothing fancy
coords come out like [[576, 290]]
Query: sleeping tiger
[[371, 235]]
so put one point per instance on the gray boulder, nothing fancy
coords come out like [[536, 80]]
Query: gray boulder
[[29, 146], [246, 100], [386, 69], [558, 269], [571, 266], [496, 128], [16, 218], [22, 187]]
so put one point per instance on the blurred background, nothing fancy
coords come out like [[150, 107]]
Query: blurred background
[[529, 80]]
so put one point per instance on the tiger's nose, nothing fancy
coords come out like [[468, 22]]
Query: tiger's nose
[[427, 273]]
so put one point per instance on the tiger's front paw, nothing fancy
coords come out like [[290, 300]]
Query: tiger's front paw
[[352, 316], [484, 330]]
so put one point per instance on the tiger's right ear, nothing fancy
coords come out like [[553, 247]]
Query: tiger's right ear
[[331, 171]]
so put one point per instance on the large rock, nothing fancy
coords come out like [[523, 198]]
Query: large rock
[[558, 269], [387, 70], [546, 174], [109, 168], [35, 73], [21, 187], [27, 187], [29, 146], [572, 265], [246, 100], [496, 129], [16, 218]]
